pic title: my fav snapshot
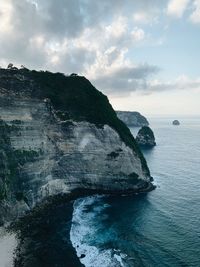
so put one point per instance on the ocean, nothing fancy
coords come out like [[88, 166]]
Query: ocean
[[155, 229], [159, 228]]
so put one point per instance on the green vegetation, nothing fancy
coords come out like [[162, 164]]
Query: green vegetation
[[4, 151], [62, 115], [76, 96], [10, 161], [2, 194], [23, 156], [20, 196]]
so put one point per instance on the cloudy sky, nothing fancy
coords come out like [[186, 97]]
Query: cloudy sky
[[144, 54]]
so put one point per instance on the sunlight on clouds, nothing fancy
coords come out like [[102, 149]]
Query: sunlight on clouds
[[176, 8], [117, 28], [141, 17], [161, 103], [37, 41], [138, 34], [145, 18], [120, 48], [5, 16], [55, 60]]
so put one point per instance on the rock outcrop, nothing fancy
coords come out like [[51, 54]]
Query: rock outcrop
[[59, 134], [132, 118], [176, 122], [145, 137]]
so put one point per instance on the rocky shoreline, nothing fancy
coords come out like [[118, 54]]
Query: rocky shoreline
[[37, 228], [51, 136]]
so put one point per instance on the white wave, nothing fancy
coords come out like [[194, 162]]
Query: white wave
[[155, 182], [84, 229], [8, 244]]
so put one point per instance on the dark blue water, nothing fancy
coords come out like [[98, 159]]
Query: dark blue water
[[161, 228]]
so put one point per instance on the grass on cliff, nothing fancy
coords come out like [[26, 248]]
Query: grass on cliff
[[11, 160], [80, 100]]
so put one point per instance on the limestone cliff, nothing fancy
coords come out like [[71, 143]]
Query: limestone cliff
[[58, 133], [132, 118]]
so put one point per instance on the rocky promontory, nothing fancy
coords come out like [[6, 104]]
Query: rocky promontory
[[59, 134], [145, 137], [132, 118]]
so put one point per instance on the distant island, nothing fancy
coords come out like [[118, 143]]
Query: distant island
[[132, 118], [176, 122]]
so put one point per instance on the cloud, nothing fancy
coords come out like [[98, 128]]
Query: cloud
[[176, 8], [138, 34], [37, 33], [124, 80], [143, 17], [182, 82], [97, 39], [93, 38], [195, 16]]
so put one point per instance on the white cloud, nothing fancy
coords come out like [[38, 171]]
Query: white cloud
[[143, 17], [92, 38], [5, 17], [182, 82], [176, 8], [195, 16], [138, 34], [89, 37], [117, 28]]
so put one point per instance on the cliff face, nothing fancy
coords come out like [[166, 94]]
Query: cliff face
[[132, 118], [48, 147]]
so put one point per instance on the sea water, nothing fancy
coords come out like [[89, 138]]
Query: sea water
[[159, 228]]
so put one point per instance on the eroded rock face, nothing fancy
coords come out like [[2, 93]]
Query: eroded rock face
[[43, 155], [145, 137], [132, 118]]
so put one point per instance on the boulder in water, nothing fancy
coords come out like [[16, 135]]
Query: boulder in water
[[176, 122], [145, 137]]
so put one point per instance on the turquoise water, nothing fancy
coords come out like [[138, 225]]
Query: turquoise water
[[161, 228]]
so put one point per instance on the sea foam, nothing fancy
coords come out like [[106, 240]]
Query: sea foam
[[84, 234], [8, 244]]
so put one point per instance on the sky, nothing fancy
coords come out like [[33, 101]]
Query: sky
[[144, 55]]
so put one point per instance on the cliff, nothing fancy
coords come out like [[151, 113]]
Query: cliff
[[132, 118], [58, 134]]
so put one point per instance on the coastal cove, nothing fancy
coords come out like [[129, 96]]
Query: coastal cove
[[99, 133], [160, 228]]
